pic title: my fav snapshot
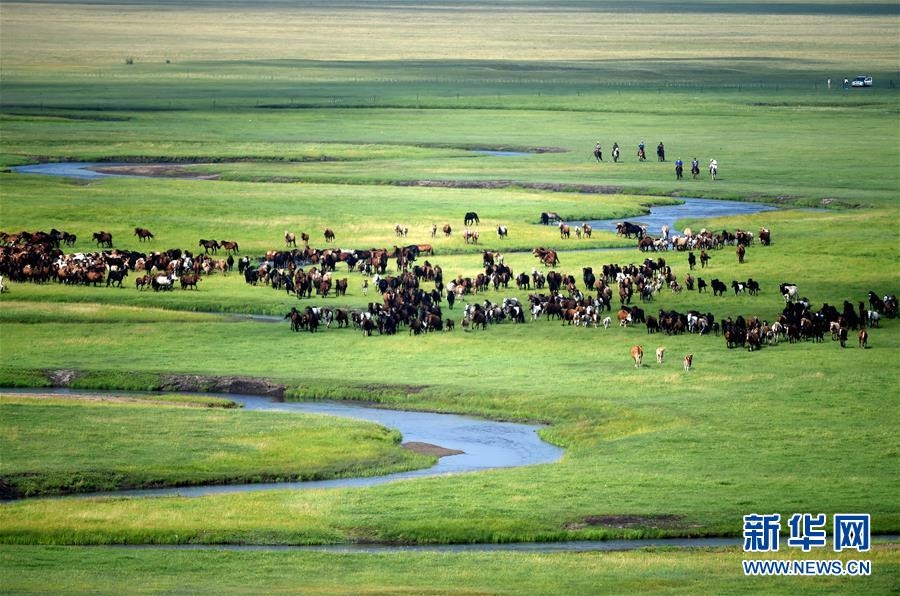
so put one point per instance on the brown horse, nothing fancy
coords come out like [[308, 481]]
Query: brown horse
[[103, 239], [290, 239], [230, 246], [329, 235], [143, 234]]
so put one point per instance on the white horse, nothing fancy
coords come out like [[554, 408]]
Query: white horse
[[713, 168]]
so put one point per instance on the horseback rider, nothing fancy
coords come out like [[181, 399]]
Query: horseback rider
[[679, 168], [615, 152], [661, 152], [641, 154], [695, 167], [598, 151]]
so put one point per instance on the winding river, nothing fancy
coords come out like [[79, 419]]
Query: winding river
[[485, 444]]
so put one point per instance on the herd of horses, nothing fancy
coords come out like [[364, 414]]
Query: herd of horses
[[38, 257]]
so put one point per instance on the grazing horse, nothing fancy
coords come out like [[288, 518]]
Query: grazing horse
[[143, 234], [713, 169], [502, 231], [688, 362], [660, 354], [637, 354], [290, 239], [329, 235], [471, 218]]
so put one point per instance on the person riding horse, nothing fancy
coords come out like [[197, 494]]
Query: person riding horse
[[641, 154], [661, 152], [695, 168], [598, 151], [615, 152], [679, 168]]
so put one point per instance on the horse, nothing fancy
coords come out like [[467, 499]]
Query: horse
[[598, 153], [401, 231], [230, 246], [143, 234], [586, 229], [447, 230], [209, 245], [660, 354], [863, 338], [641, 154], [616, 153], [564, 231], [103, 239], [471, 218], [688, 362], [502, 231], [713, 168], [637, 354], [695, 169], [329, 235], [290, 239]]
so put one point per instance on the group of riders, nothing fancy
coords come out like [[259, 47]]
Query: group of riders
[[661, 156]]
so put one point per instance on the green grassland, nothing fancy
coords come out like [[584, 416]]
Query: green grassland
[[359, 117]]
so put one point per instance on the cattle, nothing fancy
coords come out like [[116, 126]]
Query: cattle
[[660, 354], [471, 218], [637, 354], [718, 287], [688, 362]]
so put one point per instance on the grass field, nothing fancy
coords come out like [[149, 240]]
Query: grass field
[[359, 117]]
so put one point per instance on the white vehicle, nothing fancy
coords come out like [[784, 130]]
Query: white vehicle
[[861, 81]]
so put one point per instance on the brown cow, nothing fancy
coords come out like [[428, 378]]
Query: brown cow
[[637, 354]]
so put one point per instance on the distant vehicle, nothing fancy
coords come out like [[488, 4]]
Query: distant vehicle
[[861, 81]]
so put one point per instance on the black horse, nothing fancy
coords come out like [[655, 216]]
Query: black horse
[[471, 218]]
